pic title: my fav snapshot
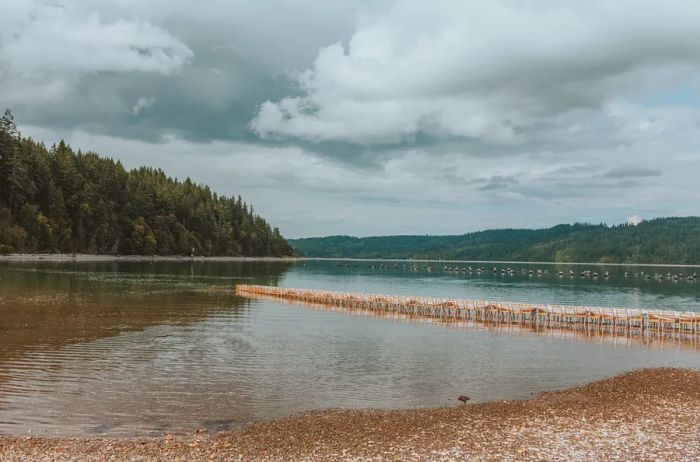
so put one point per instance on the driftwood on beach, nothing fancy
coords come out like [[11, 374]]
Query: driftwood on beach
[[628, 320]]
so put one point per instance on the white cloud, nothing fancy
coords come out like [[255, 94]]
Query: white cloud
[[493, 71], [414, 191], [537, 112], [143, 103], [46, 48]]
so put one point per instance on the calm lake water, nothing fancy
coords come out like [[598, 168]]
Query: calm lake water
[[147, 348]]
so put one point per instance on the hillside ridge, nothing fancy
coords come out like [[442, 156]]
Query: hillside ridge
[[670, 240]]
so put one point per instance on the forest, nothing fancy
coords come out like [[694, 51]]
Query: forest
[[661, 240], [60, 201]]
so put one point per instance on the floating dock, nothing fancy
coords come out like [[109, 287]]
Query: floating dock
[[628, 320]]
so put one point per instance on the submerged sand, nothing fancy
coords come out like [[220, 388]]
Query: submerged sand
[[650, 414]]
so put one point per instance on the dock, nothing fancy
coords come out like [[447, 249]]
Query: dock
[[628, 320]]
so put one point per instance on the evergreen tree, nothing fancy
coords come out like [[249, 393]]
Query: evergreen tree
[[58, 200], [662, 240]]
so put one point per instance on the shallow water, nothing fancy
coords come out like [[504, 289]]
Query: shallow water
[[146, 348]]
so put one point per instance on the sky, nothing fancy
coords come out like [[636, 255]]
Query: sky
[[377, 117]]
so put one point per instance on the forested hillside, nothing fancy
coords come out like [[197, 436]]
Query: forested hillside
[[57, 200], [663, 240]]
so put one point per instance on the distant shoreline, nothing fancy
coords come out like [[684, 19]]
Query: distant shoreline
[[59, 257], [501, 262]]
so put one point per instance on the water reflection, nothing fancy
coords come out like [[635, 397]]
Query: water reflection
[[617, 290], [150, 348], [601, 334], [49, 305]]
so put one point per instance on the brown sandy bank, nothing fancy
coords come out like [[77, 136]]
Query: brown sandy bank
[[643, 415]]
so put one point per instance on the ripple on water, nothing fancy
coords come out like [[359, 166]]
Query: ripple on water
[[169, 349]]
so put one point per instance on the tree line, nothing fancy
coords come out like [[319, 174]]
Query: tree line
[[60, 201], [662, 240]]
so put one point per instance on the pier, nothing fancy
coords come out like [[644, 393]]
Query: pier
[[628, 320]]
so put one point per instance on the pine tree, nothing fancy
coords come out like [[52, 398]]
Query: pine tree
[[58, 200]]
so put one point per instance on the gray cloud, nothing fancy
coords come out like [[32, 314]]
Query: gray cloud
[[631, 172], [47, 48], [489, 71], [143, 103], [403, 117], [78, 64], [496, 182]]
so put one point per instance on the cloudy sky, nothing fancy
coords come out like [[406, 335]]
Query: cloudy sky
[[377, 117]]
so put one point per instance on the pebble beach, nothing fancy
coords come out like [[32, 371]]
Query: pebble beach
[[651, 414]]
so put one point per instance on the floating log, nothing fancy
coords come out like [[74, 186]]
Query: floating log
[[559, 316]]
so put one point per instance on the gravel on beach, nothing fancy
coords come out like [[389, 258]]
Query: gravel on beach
[[651, 414]]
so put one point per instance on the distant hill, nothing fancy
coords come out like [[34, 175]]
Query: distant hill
[[662, 240], [57, 200]]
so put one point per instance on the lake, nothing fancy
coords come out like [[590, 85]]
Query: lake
[[149, 348]]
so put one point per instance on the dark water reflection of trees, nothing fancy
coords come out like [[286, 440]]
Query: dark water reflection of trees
[[48, 305]]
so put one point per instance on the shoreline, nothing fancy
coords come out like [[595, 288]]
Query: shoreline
[[504, 262], [640, 415], [177, 258], [62, 257]]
